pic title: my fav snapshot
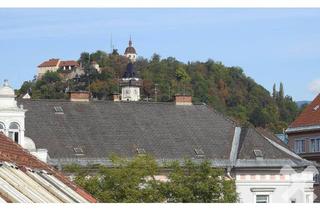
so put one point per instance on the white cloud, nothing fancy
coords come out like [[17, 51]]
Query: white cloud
[[314, 86]]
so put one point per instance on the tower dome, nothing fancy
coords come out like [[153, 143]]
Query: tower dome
[[130, 49], [6, 91], [7, 97], [130, 52]]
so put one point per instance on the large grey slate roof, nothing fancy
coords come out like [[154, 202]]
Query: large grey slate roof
[[164, 130]]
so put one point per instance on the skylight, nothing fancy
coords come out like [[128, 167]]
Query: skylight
[[258, 153], [78, 150], [141, 151], [316, 107], [58, 109], [199, 153]]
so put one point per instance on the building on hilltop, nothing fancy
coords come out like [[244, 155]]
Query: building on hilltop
[[49, 65], [69, 69], [25, 179], [88, 132]]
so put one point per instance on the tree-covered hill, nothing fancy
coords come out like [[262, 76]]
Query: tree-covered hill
[[227, 89]]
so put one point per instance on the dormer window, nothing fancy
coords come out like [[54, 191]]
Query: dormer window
[[199, 153], [58, 110], [141, 151], [14, 130], [78, 151]]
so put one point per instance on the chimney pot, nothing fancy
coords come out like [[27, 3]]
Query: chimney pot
[[183, 99], [116, 97], [79, 96]]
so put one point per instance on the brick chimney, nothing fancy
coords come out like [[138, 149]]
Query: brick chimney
[[79, 96], [183, 99], [116, 97]]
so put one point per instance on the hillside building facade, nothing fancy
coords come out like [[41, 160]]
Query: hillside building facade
[[69, 68], [304, 132]]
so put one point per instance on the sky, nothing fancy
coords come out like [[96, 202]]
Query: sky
[[270, 45]]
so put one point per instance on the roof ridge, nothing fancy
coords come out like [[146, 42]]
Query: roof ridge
[[282, 148]]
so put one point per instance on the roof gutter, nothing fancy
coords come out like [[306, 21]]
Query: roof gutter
[[302, 129]]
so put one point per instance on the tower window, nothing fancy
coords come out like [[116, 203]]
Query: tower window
[[14, 130], [2, 127]]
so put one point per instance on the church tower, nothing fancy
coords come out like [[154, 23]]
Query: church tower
[[130, 83], [11, 116]]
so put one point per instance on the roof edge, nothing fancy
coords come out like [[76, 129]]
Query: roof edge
[[302, 128], [235, 145]]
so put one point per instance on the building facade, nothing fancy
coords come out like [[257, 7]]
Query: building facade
[[69, 69], [88, 132], [304, 132]]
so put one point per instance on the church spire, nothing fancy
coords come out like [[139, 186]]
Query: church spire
[[130, 42]]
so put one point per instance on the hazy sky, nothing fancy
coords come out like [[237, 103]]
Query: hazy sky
[[271, 45]]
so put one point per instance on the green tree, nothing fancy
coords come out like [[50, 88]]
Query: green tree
[[281, 92], [134, 181], [51, 77], [274, 91], [198, 183]]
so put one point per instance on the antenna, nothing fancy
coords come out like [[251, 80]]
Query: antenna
[[111, 44]]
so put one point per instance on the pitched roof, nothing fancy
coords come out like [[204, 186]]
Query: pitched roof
[[25, 167], [50, 63], [91, 132], [130, 50], [68, 63], [310, 116]]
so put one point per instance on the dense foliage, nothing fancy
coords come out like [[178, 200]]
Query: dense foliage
[[227, 89], [134, 181]]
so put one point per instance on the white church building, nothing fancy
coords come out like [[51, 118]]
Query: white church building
[[12, 122]]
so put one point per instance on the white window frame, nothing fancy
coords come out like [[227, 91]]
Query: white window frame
[[264, 194], [262, 191], [308, 197], [299, 146], [315, 144], [12, 132]]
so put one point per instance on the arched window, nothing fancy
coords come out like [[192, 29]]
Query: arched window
[[14, 130], [2, 127]]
